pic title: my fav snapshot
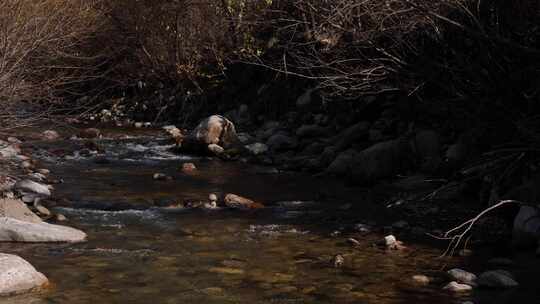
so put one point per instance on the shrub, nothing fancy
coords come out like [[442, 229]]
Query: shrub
[[45, 49]]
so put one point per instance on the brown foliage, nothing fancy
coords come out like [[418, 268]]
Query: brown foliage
[[44, 48]]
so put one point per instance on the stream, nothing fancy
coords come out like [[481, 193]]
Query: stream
[[140, 251]]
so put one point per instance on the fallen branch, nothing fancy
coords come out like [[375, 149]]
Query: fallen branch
[[456, 234]]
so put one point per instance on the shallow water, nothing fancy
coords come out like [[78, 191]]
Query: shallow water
[[139, 252]]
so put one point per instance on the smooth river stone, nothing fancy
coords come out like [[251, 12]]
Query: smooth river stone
[[17, 275], [13, 230]]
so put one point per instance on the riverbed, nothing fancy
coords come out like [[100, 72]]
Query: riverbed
[[144, 247]]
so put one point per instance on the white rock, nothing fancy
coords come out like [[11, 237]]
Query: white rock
[[421, 279], [17, 275], [257, 148], [50, 135], [42, 210], [29, 186], [462, 276], [390, 240], [497, 279], [44, 171], [37, 176], [456, 287], [9, 151], [213, 197], [216, 149], [14, 140], [13, 230], [215, 129]]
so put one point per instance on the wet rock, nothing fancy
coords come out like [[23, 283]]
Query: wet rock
[[257, 148], [457, 287], [226, 270], [188, 167], [29, 198], [215, 129], [215, 149], [90, 133], [497, 279], [462, 276], [391, 243], [526, 229], [161, 177], [16, 209], [29, 186], [338, 261], [353, 242], [362, 228], [238, 202], [421, 279], [13, 230], [138, 125], [17, 275], [60, 217], [42, 210], [50, 135], [281, 142], [175, 133], [210, 205]]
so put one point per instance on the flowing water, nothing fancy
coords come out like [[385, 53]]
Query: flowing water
[[139, 251]]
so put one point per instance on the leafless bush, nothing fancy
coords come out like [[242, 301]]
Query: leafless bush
[[354, 48], [46, 50]]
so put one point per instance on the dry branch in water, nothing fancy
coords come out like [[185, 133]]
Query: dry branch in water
[[457, 234]]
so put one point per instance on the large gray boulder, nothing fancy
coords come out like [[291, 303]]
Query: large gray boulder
[[281, 142], [497, 279], [17, 275], [526, 229], [462, 276], [215, 129], [14, 230], [341, 165], [381, 160], [351, 135], [16, 209]]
